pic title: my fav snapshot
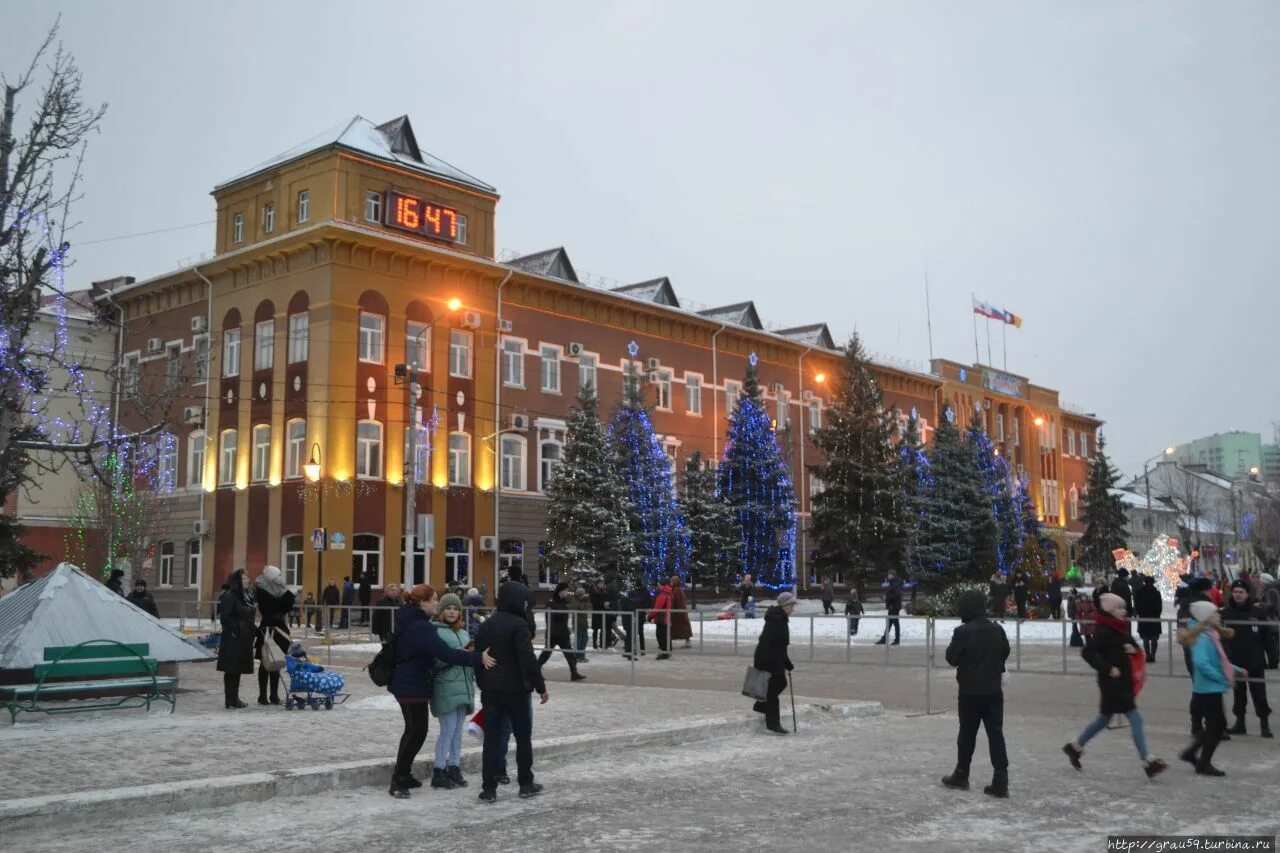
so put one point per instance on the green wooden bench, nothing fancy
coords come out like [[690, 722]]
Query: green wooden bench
[[94, 666]]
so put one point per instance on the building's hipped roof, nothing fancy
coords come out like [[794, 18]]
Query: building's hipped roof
[[393, 142], [553, 263], [1138, 499], [740, 314], [817, 335], [657, 290], [67, 607]]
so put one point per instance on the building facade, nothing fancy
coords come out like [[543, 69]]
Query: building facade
[[1230, 454]]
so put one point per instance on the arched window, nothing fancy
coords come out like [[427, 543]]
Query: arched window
[[1075, 503], [227, 458], [513, 462], [459, 459], [457, 561], [369, 450], [261, 452], [366, 558]]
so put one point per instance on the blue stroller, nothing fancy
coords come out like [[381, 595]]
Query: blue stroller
[[310, 686]]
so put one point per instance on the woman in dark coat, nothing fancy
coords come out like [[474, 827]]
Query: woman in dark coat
[[275, 601], [1108, 652], [236, 609], [681, 627], [771, 657], [1147, 604]]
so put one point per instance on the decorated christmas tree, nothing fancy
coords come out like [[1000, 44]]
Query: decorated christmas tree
[[857, 517], [957, 532], [995, 542], [588, 533], [755, 482], [1104, 515], [714, 544], [657, 530], [915, 483]]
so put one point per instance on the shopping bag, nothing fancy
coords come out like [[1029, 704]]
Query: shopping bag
[[756, 684]]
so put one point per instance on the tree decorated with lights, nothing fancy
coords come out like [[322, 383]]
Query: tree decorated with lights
[[588, 532], [755, 482], [993, 542], [915, 481], [657, 530], [857, 517], [958, 509], [1104, 514], [714, 543]]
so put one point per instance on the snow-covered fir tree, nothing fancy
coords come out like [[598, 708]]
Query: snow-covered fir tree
[[588, 532], [755, 482], [714, 543], [958, 509], [915, 483], [1104, 515], [1035, 549], [995, 543], [857, 517]]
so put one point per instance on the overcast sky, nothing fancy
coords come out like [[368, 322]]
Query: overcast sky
[[1107, 170]]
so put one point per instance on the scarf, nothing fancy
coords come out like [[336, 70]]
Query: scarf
[[1227, 666], [1120, 626], [270, 586]]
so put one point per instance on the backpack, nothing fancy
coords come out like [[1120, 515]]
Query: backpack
[[383, 665]]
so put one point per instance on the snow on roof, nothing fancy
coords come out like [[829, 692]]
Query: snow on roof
[[1138, 500], [67, 607], [393, 142], [816, 334], [549, 262], [741, 314], [657, 290]]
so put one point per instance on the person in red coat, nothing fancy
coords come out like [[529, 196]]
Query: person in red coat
[[660, 615]]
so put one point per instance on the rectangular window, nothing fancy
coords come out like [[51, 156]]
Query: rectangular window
[[663, 390], [550, 454], [1084, 445], [237, 228], [369, 450], [166, 462], [373, 206], [293, 561], [815, 415], [513, 467], [417, 345], [459, 459], [261, 453], [131, 375], [372, 328], [550, 369], [999, 426], [784, 410], [587, 372], [732, 391], [513, 362], [268, 218], [1017, 433], [304, 206], [227, 460], [264, 345], [164, 573], [295, 448], [1071, 442], [462, 230], [193, 563], [693, 393], [173, 367], [299, 337], [460, 354], [195, 459], [201, 344], [231, 353]]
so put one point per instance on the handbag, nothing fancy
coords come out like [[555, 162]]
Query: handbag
[[756, 684], [272, 655]]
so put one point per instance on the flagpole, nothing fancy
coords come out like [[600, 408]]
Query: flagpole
[[989, 359], [976, 357], [1004, 343], [928, 315]]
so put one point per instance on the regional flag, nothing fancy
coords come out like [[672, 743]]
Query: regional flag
[[1013, 319]]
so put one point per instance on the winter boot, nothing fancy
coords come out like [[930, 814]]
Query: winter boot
[[999, 786], [758, 708], [411, 782], [1153, 767], [1204, 769], [1265, 726], [455, 773], [533, 789], [488, 795], [1074, 754], [1189, 754], [398, 790], [577, 676], [1238, 728], [440, 780], [956, 781]]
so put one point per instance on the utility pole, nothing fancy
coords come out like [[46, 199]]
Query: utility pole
[[408, 375]]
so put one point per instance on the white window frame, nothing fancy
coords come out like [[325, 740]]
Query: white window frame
[[373, 206], [417, 345], [264, 345], [237, 228], [230, 353], [369, 456], [1071, 442], [1084, 445], [546, 466], [459, 460], [131, 374], [589, 371], [195, 562], [732, 393], [195, 459], [200, 343], [513, 352], [513, 467], [549, 359], [299, 337], [166, 462], [269, 217], [295, 447], [999, 426], [291, 559], [304, 206], [1074, 498], [363, 556], [663, 395], [1017, 432], [693, 394], [173, 367], [783, 410], [451, 577], [508, 558], [372, 344], [164, 564], [260, 468], [461, 221], [228, 455], [460, 342], [815, 415]]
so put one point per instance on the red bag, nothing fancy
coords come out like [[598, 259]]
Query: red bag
[[1138, 665]]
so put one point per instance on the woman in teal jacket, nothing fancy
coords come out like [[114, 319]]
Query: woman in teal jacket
[[452, 697], [1212, 675]]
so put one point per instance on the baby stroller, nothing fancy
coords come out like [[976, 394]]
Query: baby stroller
[[310, 686]]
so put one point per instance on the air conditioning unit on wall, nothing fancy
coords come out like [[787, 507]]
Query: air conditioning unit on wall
[[471, 320], [199, 323], [505, 326], [652, 363], [192, 415], [488, 544], [202, 527], [520, 422], [155, 345], [575, 349]]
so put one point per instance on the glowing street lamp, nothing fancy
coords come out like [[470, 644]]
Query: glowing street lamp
[[454, 304]]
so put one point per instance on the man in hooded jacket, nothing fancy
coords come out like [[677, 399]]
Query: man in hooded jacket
[[1246, 650], [978, 651]]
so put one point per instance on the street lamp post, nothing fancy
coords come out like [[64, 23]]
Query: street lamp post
[[312, 470], [1146, 480]]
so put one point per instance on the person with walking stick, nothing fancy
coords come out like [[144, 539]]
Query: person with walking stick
[[771, 657]]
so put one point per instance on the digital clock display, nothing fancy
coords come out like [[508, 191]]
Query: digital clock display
[[410, 213]]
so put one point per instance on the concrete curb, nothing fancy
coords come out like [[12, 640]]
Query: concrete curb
[[172, 797]]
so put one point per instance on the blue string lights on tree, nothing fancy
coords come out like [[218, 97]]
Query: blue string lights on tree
[[756, 484], [657, 528], [993, 471]]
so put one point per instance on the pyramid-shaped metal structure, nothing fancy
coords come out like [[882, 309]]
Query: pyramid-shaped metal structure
[[67, 607]]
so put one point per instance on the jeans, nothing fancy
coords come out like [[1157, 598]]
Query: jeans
[[582, 642], [415, 735], [1135, 728], [449, 741], [853, 625], [981, 711], [503, 709]]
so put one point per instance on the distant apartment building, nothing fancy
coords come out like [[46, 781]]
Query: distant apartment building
[[1229, 454]]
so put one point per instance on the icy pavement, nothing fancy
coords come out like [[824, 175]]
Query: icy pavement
[[856, 785]]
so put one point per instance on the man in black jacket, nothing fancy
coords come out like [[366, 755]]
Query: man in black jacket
[[1121, 587], [1246, 650], [558, 635], [978, 650], [142, 599], [504, 690], [597, 596], [893, 603]]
